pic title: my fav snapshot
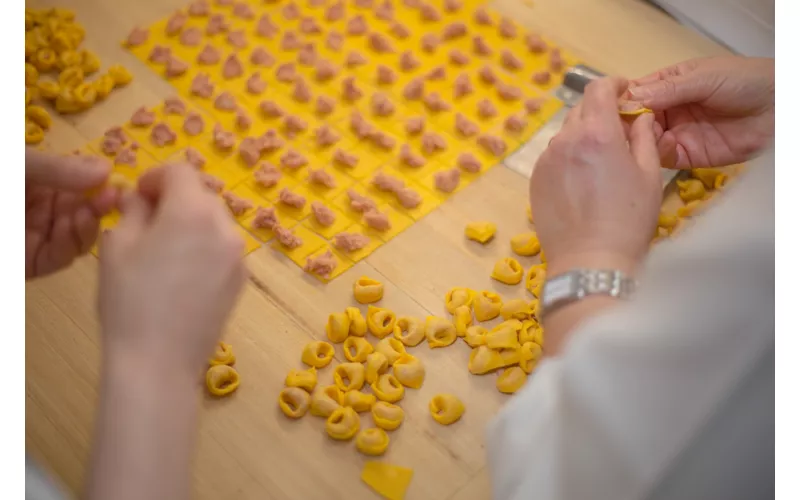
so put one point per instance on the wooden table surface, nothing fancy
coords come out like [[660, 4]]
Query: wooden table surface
[[246, 448]]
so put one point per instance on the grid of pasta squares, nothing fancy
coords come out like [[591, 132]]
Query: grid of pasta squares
[[426, 96]]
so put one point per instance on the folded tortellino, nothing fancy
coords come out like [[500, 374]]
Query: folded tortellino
[[377, 364], [304, 379], [409, 371], [708, 176], [222, 380], [380, 321], [349, 376], [387, 415], [440, 332], [367, 290], [480, 231], [317, 354], [525, 244], [456, 297], [446, 408], [509, 357], [511, 380], [388, 388], [293, 402], [409, 331], [223, 355], [343, 423], [325, 400], [690, 209], [529, 355], [391, 348], [691, 189], [487, 305], [484, 360], [462, 318], [476, 335], [358, 324], [356, 349], [516, 309], [508, 271], [534, 279], [372, 442], [359, 401], [531, 331], [502, 337], [338, 327]]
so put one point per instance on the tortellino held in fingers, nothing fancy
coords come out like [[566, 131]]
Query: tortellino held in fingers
[[338, 327], [304, 379], [326, 400], [508, 271], [446, 408], [511, 380], [380, 321], [529, 355], [440, 332], [487, 305], [377, 365], [391, 348], [349, 376], [484, 360], [691, 189], [409, 371], [502, 337], [367, 290], [387, 415], [372, 442], [388, 388], [456, 297], [516, 309], [357, 349], [223, 355], [359, 401], [476, 336], [462, 318], [525, 244], [294, 402], [222, 380], [410, 331], [358, 324], [343, 423], [317, 354]]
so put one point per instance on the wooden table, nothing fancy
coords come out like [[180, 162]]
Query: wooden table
[[246, 448]]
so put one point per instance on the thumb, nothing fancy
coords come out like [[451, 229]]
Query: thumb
[[72, 173], [643, 143], [670, 91], [136, 212]]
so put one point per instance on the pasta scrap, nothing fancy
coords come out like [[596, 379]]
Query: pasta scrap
[[446, 408], [294, 402]]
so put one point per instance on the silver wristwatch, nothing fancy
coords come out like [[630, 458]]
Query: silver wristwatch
[[574, 285]]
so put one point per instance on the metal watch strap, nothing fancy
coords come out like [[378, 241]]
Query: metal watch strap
[[574, 285]]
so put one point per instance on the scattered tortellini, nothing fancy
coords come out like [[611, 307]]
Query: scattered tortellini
[[483, 360], [690, 209], [481, 231], [377, 365], [462, 318], [388, 388], [446, 408], [531, 331], [304, 379], [326, 400], [343, 423], [525, 244], [338, 327], [34, 134], [502, 337], [511, 380], [457, 297], [39, 116], [508, 271], [222, 380], [380, 321], [487, 305], [409, 371], [317, 354], [293, 401], [509, 357], [529, 356], [359, 401], [691, 189], [367, 290], [476, 335], [410, 331], [358, 324], [223, 355], [357, 349], [391, 348], [387, 416], [372, 442], [440, 332], [349, 376], [711, 178], [516, 309]]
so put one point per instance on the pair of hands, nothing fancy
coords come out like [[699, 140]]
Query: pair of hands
[[596, 191]]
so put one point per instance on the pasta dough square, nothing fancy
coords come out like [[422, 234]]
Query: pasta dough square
[[264, 234], [341, 223], [250, 244], [311, 243], [342, 263], [374, 243], [297, 214], [399, 223]]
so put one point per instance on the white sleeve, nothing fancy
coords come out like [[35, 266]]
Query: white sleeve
[[634, 387]]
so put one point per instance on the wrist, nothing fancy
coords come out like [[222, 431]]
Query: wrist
[[126, 367]]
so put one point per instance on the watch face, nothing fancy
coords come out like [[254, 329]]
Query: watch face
[[558, 288]]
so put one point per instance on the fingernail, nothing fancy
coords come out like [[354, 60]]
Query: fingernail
[[641, 93]]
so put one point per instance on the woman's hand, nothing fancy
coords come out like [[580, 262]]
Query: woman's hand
[[710, 112], [61, 222]]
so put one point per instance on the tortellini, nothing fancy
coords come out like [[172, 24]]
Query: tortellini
[[487, 305], [525, 244], [439, 332], [409, 331], [462, 318], [317, 354], [707, 176], [476, 335], [388, 388], [484, 360], [357, 349], [33, 133], [508, 271], [380, 321], [446, 408], [222, 380], [343, 423], [359, 401], [120, 75], [509, 357], [511, 380], [409, 371], [456, 297], [39, 116], [372, 442], [668, 222], [691, 189], [481, 231], [326, 400], [223, 355], [516, 309], [338, 327], [358, 324], [349, 376], [502, 337], [387, 415], [391, 348], [534, 279], [293, 401], [529, 355], [377, 364], [690, 209], [367, 290], [531, 331], [304, 379]]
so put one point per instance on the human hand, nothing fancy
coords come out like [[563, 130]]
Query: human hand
[[710, 112], [595, 198], [61, 222], [170, 272]]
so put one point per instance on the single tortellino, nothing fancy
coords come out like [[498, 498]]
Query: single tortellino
[[531, 331], [367, 290], [304, 379], [103, 85], [516, 309], [509, 357], [391, 348], [48, 90], [357, 349], [476, 335], [343, 423], [667, 222], [534, 279], [484, 360], [707, 176], [223, 355], [293, 401], [481, 231], [502, 337], [691, 189], [409, 371], [222, 380], [317, 354], [446, 408], [70, 77], [120, 75], [440, 332], [511, 380], [456, 297], [89, 62], [380, 321], [487, 305], [529, 355], [33, 133], [359, 401], [377, 364], [349, 376], [338, 327], [387, 415], [410, 331], [462, 318], [388, 388], [525, 244], [85, 95], [508, 271], [372, 442], [326, 400], [358, 324], [39, 115]]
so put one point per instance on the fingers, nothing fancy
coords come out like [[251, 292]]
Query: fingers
[[643, 143], [136, 212], [177, 183], [72, 173], [667, 150], [673, 91], [86, 228], [601, 96]]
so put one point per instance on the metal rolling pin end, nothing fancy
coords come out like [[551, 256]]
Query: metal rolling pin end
[[575, 80]]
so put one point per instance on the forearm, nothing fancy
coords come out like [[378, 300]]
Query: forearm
[[144, 432]]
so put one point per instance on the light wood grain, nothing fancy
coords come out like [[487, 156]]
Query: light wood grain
[[246, 449]]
